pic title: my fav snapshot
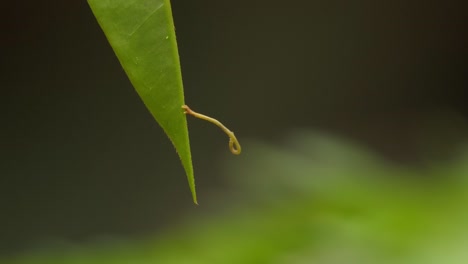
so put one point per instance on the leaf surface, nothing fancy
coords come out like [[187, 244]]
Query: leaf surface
[[142, 35]]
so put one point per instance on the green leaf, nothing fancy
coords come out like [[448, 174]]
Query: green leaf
[[142, 34]]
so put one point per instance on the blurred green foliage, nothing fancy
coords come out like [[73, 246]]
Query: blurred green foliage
[[316, 199]]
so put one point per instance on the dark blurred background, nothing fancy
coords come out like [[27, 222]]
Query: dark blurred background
[[83, 160]]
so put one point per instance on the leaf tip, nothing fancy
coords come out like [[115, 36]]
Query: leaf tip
[[194, 197]]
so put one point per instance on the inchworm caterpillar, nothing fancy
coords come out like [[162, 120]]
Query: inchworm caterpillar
[[234, 145]]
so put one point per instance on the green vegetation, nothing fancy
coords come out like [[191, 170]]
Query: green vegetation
[[143, 38], [316, 200]]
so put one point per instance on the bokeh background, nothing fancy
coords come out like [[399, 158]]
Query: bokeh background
[[83, 162]]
